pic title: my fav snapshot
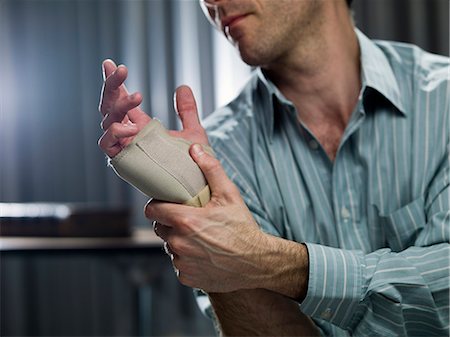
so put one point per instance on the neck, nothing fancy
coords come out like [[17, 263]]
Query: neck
[[322, 75]]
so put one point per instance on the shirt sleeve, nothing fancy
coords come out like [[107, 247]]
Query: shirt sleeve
[[396, 293], [243, 178]]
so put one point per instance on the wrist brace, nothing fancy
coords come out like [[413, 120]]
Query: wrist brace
[[160, 166]]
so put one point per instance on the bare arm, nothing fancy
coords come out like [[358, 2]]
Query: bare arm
[[239, 312], [260, 312], [252, 277]]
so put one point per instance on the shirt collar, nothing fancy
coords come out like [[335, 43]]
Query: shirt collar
[[376, 73], [271, 88]]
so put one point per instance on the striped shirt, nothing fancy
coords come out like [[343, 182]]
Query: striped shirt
[[376, 221]]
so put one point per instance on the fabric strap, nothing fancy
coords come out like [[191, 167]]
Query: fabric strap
[[160, 166]]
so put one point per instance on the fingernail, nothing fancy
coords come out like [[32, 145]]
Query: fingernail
[[103, 72], [198, 150]]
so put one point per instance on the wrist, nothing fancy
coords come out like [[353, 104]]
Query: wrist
[[288, 268]]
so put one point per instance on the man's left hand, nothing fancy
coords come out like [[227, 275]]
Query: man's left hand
[[216, 248], [220, 247]]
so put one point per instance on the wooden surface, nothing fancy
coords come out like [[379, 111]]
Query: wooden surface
[[141, 238]]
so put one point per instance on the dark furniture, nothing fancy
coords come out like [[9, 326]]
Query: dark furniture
[[93, 287]]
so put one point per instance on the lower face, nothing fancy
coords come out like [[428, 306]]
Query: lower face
[[266, 30]]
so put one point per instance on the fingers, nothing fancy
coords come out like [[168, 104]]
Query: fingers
[[186, 108], [120, 109], [122, 116], [161, 230], [169, 251], [164, 232], [113, 87], [116, 79], [108, 67], [109, 142], [218, 181], [171, 215]]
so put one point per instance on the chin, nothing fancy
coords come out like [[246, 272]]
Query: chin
[[256, 54], [250, 57], [251, 61], [255, 60]]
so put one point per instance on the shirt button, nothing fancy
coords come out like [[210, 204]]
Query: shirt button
[[313, 145], [326, 314], [345, 213]]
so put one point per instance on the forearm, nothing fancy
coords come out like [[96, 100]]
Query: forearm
[[259, 312], [271, 309]]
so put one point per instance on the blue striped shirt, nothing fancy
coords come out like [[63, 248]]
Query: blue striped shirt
[[376, 221]]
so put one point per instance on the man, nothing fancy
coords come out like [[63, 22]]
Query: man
[[333, 214]]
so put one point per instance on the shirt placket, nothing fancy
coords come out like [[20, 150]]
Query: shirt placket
[[345, 192]]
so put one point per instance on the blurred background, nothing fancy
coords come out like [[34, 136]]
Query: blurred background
[[50, 79]]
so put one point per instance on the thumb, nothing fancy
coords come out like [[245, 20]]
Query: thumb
[[186, 107], [215, 175]]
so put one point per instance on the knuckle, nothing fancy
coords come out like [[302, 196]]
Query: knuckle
[[156, 228], [213, 165], [200, 132], [115, 128], [101, 142], [103, 122], [176, 246], [117, 106], [102, 108], [187, 107], [187, 222]]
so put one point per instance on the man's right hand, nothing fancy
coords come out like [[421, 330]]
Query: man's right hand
[[122, 116]]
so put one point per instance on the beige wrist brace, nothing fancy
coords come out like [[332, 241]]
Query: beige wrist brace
[[160, 166]]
